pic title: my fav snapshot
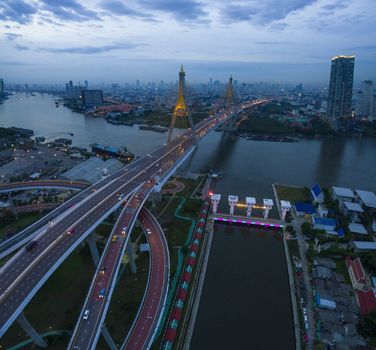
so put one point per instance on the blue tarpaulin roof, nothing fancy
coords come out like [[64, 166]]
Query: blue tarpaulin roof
[[316, 189], [325, 221], [341, 232], [307, 208]]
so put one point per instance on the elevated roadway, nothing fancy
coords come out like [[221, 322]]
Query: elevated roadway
[[13, 243], [88, 329], [27, 271], [151, 311], [43, 184]]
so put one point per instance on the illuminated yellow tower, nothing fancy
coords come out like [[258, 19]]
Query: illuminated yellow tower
[[229, 93], [180, 110]]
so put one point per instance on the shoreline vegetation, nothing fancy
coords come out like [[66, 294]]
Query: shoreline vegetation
[[278, 121], [286, 120]]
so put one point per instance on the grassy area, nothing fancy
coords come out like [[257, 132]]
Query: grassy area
[[126, 300], [58, 303], [292, 194], [190, 186], [19, 224], [265, 125], [342, 269]]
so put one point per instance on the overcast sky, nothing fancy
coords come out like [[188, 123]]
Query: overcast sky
[[52, 41]]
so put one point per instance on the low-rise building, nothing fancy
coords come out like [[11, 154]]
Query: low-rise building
[[364, 246], [317, 193], [356, 272], [303, 208], [366, 300], [366, 198], [352, 209], [326, 224], [343, 194], [358, 229]]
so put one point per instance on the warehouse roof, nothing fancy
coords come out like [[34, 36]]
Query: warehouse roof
[[92, 170]]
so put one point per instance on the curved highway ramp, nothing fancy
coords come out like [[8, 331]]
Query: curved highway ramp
[[93, 314]]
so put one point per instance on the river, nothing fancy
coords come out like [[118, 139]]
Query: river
[[245, 301]]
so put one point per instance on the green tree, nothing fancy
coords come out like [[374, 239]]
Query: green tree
[[306, 229], [367, 326], [369, 261]]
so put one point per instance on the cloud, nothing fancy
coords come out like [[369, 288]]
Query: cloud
[[116, 7], [16, 11], [69, 10], [12, 36], [187, 10], [87, 50], [261, 12], [21, 47], [339, 5]]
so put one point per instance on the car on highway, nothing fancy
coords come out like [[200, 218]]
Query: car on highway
[[148, 231], [86, 314], [103, 270], [114, 237], [70, 231], [101, 293]]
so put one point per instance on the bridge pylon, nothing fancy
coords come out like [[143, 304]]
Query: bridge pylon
[[229, 96], [180, 110]]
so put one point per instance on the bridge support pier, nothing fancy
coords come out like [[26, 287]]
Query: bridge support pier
[[132, 260], [11, 204], [107, 337], [28, 328], [93, 248]]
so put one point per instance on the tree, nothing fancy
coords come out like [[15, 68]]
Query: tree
[[369, 261], [367, 326], [306, 229], [290, 229]]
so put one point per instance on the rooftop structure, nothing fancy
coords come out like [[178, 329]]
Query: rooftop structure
[[343, 193], [352, 206], [357, 228], [303, 208], [250, 200], [366, 300], [356, 272], [366, 198], [216, 197], [317, 193], [361, 245], [326, 224], [92, 170], [286, 204]]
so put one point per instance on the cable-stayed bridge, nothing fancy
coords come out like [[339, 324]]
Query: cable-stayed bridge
[[24, 274]]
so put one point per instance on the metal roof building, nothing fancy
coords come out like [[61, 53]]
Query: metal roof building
[[366, 198], [92, 170], [362, 245]]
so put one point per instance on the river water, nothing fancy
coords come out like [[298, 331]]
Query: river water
[[245, 302]]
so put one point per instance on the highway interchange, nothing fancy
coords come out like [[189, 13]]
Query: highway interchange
[[26, 271]]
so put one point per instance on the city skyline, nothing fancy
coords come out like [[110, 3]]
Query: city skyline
[[274, 41]]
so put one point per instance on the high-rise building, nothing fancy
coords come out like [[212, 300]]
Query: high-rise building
[[92, 97], [366, 100], [340, 88], [1, 86]]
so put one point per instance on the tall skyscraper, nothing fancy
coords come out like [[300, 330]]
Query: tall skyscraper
[[1, 86], [340, 88], [366, 98]]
